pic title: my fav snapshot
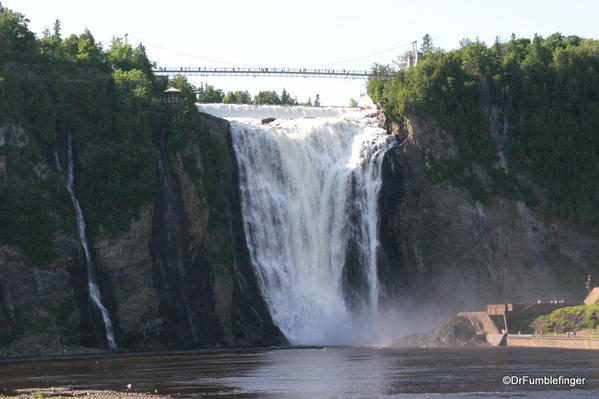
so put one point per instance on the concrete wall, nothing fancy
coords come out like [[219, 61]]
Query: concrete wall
[[554, 342], [524, 309], [593, 297], [482, 322]]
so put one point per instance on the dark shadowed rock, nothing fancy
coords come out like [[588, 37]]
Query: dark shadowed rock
[[210, 299], [443, 251], [459, 331]]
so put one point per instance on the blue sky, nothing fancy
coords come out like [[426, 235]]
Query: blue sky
[[303, 33]]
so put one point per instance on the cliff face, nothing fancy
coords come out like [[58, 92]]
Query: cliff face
[[210, 298], [444, 251]]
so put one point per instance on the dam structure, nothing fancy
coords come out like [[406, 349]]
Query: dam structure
[[309, 185]]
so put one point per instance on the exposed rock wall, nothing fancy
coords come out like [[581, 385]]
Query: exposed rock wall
[[446, 252], [46, 301]]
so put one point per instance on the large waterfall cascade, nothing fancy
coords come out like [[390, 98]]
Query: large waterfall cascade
[[92, 285], [309, 186]]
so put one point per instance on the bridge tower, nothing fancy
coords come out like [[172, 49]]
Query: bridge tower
[[416, 55]]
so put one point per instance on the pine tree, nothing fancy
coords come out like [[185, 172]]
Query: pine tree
[[427, 44], [56, 34], [285, 97]]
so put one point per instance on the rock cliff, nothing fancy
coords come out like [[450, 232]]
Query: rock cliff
[[443, 251], [179, 276], [212, 299]]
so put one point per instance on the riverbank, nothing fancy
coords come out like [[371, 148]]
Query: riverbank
[[62, 393]]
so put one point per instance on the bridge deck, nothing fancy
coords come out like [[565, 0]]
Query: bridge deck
[[281, 72]]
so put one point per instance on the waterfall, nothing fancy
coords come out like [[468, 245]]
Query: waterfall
[[94, 291], [309, 191]]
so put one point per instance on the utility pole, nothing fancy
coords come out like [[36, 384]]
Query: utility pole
[[126, 38], [413, 59], [415, 48]]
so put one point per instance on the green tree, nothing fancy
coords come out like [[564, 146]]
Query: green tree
[[208, 94], [353, 102], [89, 50], [237, 97], [267, 97], [82, 48], [56, 31], [133, 82], [427, 44], [16, 40], [317, 101], [287, 99], [125, 57]]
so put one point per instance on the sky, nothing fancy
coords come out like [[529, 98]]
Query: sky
[[307, 33]]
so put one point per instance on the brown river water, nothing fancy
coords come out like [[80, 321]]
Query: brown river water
[[339, 372]]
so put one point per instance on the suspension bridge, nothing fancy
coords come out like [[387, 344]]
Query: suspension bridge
[[267, 71]]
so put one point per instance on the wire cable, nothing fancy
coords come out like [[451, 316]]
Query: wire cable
[[363, 57], [229, 63], [144, 42]]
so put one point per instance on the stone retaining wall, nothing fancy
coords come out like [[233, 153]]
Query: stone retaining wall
[[554, 342]]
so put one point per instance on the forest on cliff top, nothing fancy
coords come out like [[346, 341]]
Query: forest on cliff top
[[107, 100], [546, 90]]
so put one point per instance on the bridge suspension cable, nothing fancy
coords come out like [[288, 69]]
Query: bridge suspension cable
[[363, 57], [230, 64]]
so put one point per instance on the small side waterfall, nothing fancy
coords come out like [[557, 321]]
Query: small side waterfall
[[309, 191], [94, 291]]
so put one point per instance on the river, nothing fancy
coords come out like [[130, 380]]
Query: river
[[329, 372]]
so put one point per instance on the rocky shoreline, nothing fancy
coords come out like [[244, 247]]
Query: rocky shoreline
[[60, 392]]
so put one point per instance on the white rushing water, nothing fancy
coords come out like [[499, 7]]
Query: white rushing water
[[248, 111], [94, 292], [309, 191]]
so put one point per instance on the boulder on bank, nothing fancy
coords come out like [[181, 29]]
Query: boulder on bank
[[459, 331], [266, 121]]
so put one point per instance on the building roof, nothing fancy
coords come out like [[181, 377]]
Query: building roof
[[172, 90]]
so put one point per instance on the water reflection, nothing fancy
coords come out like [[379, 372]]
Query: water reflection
[[317, 373], [322, 373]]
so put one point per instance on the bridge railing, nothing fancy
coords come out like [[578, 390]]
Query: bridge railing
[[254, 71]]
